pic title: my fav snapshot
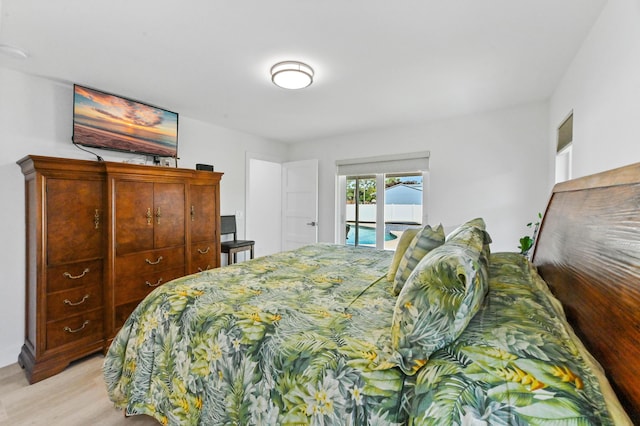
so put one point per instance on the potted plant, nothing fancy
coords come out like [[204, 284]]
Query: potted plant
[[527, 241]]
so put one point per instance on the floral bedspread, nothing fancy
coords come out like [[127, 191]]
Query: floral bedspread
[[515, 363], [291, 338], [297, 338]]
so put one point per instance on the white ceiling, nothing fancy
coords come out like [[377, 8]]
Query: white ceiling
[[378, 63]]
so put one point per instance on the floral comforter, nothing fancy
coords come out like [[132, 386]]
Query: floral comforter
[[291, 338], [299, 338], [516, 363]]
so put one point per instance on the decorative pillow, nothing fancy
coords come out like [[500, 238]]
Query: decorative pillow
[[442, 294], [424, 241], [401, 248], [469, 233]]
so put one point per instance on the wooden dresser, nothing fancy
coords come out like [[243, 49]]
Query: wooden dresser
[[100, 237]]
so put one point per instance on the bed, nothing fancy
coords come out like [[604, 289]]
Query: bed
[[330, 334]]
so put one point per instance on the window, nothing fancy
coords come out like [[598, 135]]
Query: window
[[380, 198]]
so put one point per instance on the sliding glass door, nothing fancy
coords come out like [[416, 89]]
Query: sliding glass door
[[399, 203], [361, 211], [403, 205], [380, 197]]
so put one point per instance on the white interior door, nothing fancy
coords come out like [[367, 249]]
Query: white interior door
[[264, 206], [299, 203]]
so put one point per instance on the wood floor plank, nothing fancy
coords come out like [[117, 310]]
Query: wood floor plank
[[77, 396]]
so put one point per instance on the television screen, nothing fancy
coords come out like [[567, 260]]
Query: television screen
[[103, 120]]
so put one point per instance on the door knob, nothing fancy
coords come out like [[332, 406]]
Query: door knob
[[312, 223]]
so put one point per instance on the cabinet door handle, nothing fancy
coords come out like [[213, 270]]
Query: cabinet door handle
[[75, 277], [200, 269], [96, 219], [154, 285], [69, 330], [193, 213], [148, 216], [158, 215], [153, 263], [204, 251], [70, 303]]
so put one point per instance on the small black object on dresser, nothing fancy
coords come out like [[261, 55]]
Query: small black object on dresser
[[207, 167]]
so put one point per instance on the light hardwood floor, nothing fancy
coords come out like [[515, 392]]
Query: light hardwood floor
[[75, 397]]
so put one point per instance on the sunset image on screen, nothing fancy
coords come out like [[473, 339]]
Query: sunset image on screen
[[107, 121]]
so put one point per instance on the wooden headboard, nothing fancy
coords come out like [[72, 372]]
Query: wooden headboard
[[588, 251]]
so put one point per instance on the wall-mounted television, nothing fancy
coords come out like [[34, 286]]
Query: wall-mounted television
[[106, 121]]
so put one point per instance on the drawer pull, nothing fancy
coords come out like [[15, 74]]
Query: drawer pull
[[72, 277], [156, 284], [84, 324], [204, 251], [70, 303], [200, 269], [153, 263]]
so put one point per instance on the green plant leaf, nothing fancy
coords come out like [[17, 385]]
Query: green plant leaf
[[526, 243]]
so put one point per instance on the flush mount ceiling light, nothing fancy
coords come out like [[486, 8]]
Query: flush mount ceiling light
[[292, 75]]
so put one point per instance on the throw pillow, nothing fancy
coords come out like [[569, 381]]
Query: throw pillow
[[424, 241], [401, 248], [442, 294]]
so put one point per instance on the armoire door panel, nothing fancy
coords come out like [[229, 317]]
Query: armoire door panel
[[134, 215], [169, 226], [75, 219], [202, 210]]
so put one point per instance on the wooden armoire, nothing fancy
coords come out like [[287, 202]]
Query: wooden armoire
[[100, 237]]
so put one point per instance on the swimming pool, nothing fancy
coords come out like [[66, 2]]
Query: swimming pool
[[366, 236]]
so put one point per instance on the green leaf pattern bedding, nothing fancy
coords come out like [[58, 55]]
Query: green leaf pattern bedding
[[515, 363], [300, 338], [283, 339]]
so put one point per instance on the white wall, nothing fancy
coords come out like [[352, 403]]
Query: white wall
[[486, 165], [35, 118], [602, 87]]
